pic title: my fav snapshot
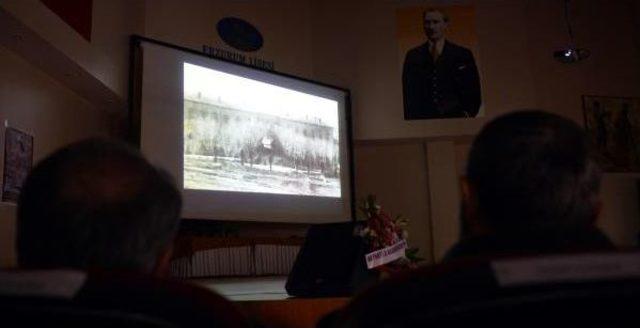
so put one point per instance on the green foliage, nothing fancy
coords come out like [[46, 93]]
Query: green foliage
[[412, 255]]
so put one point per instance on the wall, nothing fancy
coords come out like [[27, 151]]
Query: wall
[[105, 57], [604, 27], [352, 44], [363, 32], [620, 217], [396, 173], [114, 21], [59, 87], [516, 40], [283, 24], [33, 102]]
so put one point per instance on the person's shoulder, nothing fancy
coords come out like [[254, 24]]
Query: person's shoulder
[[458, 49], [418, 51], [190, 304]]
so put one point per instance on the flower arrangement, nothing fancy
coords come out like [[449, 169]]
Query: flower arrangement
[[382, 233]]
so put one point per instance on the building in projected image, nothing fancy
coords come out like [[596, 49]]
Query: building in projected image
[[237, 150]]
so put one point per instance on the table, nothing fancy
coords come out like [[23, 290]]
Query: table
[[265, 301], [292, 312]]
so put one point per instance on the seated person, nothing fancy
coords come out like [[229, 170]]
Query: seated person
[[100, 209], [531, 188]]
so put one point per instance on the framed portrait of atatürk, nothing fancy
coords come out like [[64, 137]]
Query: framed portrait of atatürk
[[613, 128], [18, 159], [438, 49]]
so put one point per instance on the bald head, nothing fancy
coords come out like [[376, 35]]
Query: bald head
[[96, 204]]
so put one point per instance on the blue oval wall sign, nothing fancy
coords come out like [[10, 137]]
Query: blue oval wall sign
[[239, 34]]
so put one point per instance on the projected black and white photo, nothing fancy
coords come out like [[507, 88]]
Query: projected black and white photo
[[249, 136]]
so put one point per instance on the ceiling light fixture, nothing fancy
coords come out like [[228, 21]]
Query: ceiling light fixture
[[571, 53]]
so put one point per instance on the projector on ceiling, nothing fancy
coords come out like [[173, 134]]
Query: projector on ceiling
[[571, 55]]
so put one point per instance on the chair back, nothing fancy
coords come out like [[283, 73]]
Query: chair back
[[589, 290], [100, 299]]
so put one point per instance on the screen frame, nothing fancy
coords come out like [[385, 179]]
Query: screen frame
[[134, 117]]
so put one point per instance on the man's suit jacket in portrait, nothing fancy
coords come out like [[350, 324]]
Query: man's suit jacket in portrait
[[444, 88]]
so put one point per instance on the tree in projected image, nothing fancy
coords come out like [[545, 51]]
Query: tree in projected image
[[260, 150]]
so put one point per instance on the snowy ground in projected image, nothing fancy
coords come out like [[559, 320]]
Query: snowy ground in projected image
[[203, 172]]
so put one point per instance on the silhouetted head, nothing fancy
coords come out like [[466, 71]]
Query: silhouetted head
[[96, 204], [530, 171]]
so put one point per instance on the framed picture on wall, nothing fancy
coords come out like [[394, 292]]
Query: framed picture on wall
[[18, 159], [438, 49], [613, 127]]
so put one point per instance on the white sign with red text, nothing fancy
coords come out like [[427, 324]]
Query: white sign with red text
[[386, 255]]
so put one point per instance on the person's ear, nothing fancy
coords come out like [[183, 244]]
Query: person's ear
[[597, 211], [468, 197], [471, 213], [163, 263]]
